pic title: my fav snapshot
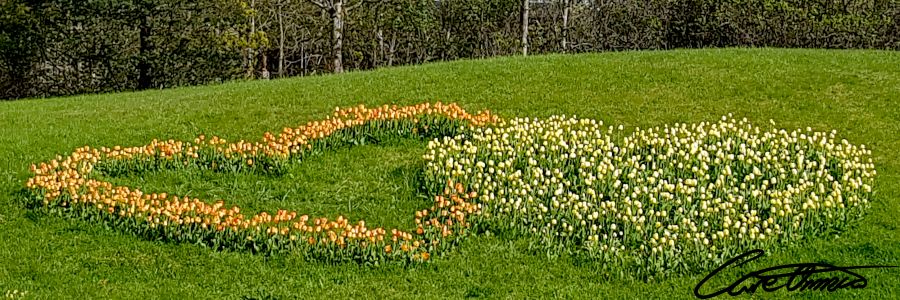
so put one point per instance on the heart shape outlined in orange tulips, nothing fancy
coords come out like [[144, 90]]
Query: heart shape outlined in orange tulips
[[66, 185]]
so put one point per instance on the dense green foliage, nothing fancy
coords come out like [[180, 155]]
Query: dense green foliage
[[71, 47], [854, 92], [63, 47]]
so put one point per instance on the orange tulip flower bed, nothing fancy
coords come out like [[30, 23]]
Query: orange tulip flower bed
[[70, 186]]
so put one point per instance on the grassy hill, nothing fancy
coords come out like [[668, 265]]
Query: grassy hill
[[854, 92]]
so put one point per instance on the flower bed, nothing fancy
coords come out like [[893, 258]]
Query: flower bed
[[658, 200], [68, 185]]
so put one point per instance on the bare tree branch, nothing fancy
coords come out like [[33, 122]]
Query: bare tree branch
[[351, 7], [320, 4]]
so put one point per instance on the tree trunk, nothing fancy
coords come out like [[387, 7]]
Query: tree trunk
[[264, 68], [392, 50], [280, 42], [567, 6], [337, 16], [379, 57], [144, 80], [251, 53], [525, 27]]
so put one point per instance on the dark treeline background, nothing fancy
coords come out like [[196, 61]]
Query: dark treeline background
[[61, 47]]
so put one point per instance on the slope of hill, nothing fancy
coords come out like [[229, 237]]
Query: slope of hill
[[856, 93]]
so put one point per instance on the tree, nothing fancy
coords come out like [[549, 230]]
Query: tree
[[337, 11], [279, 16], [143, 12], [525, 27], [21, 43], [567, 7]]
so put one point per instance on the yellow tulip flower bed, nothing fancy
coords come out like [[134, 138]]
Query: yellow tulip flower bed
[[67, 185], [666, 199]]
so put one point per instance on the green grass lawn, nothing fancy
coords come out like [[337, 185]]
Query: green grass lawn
[[854, 92]]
